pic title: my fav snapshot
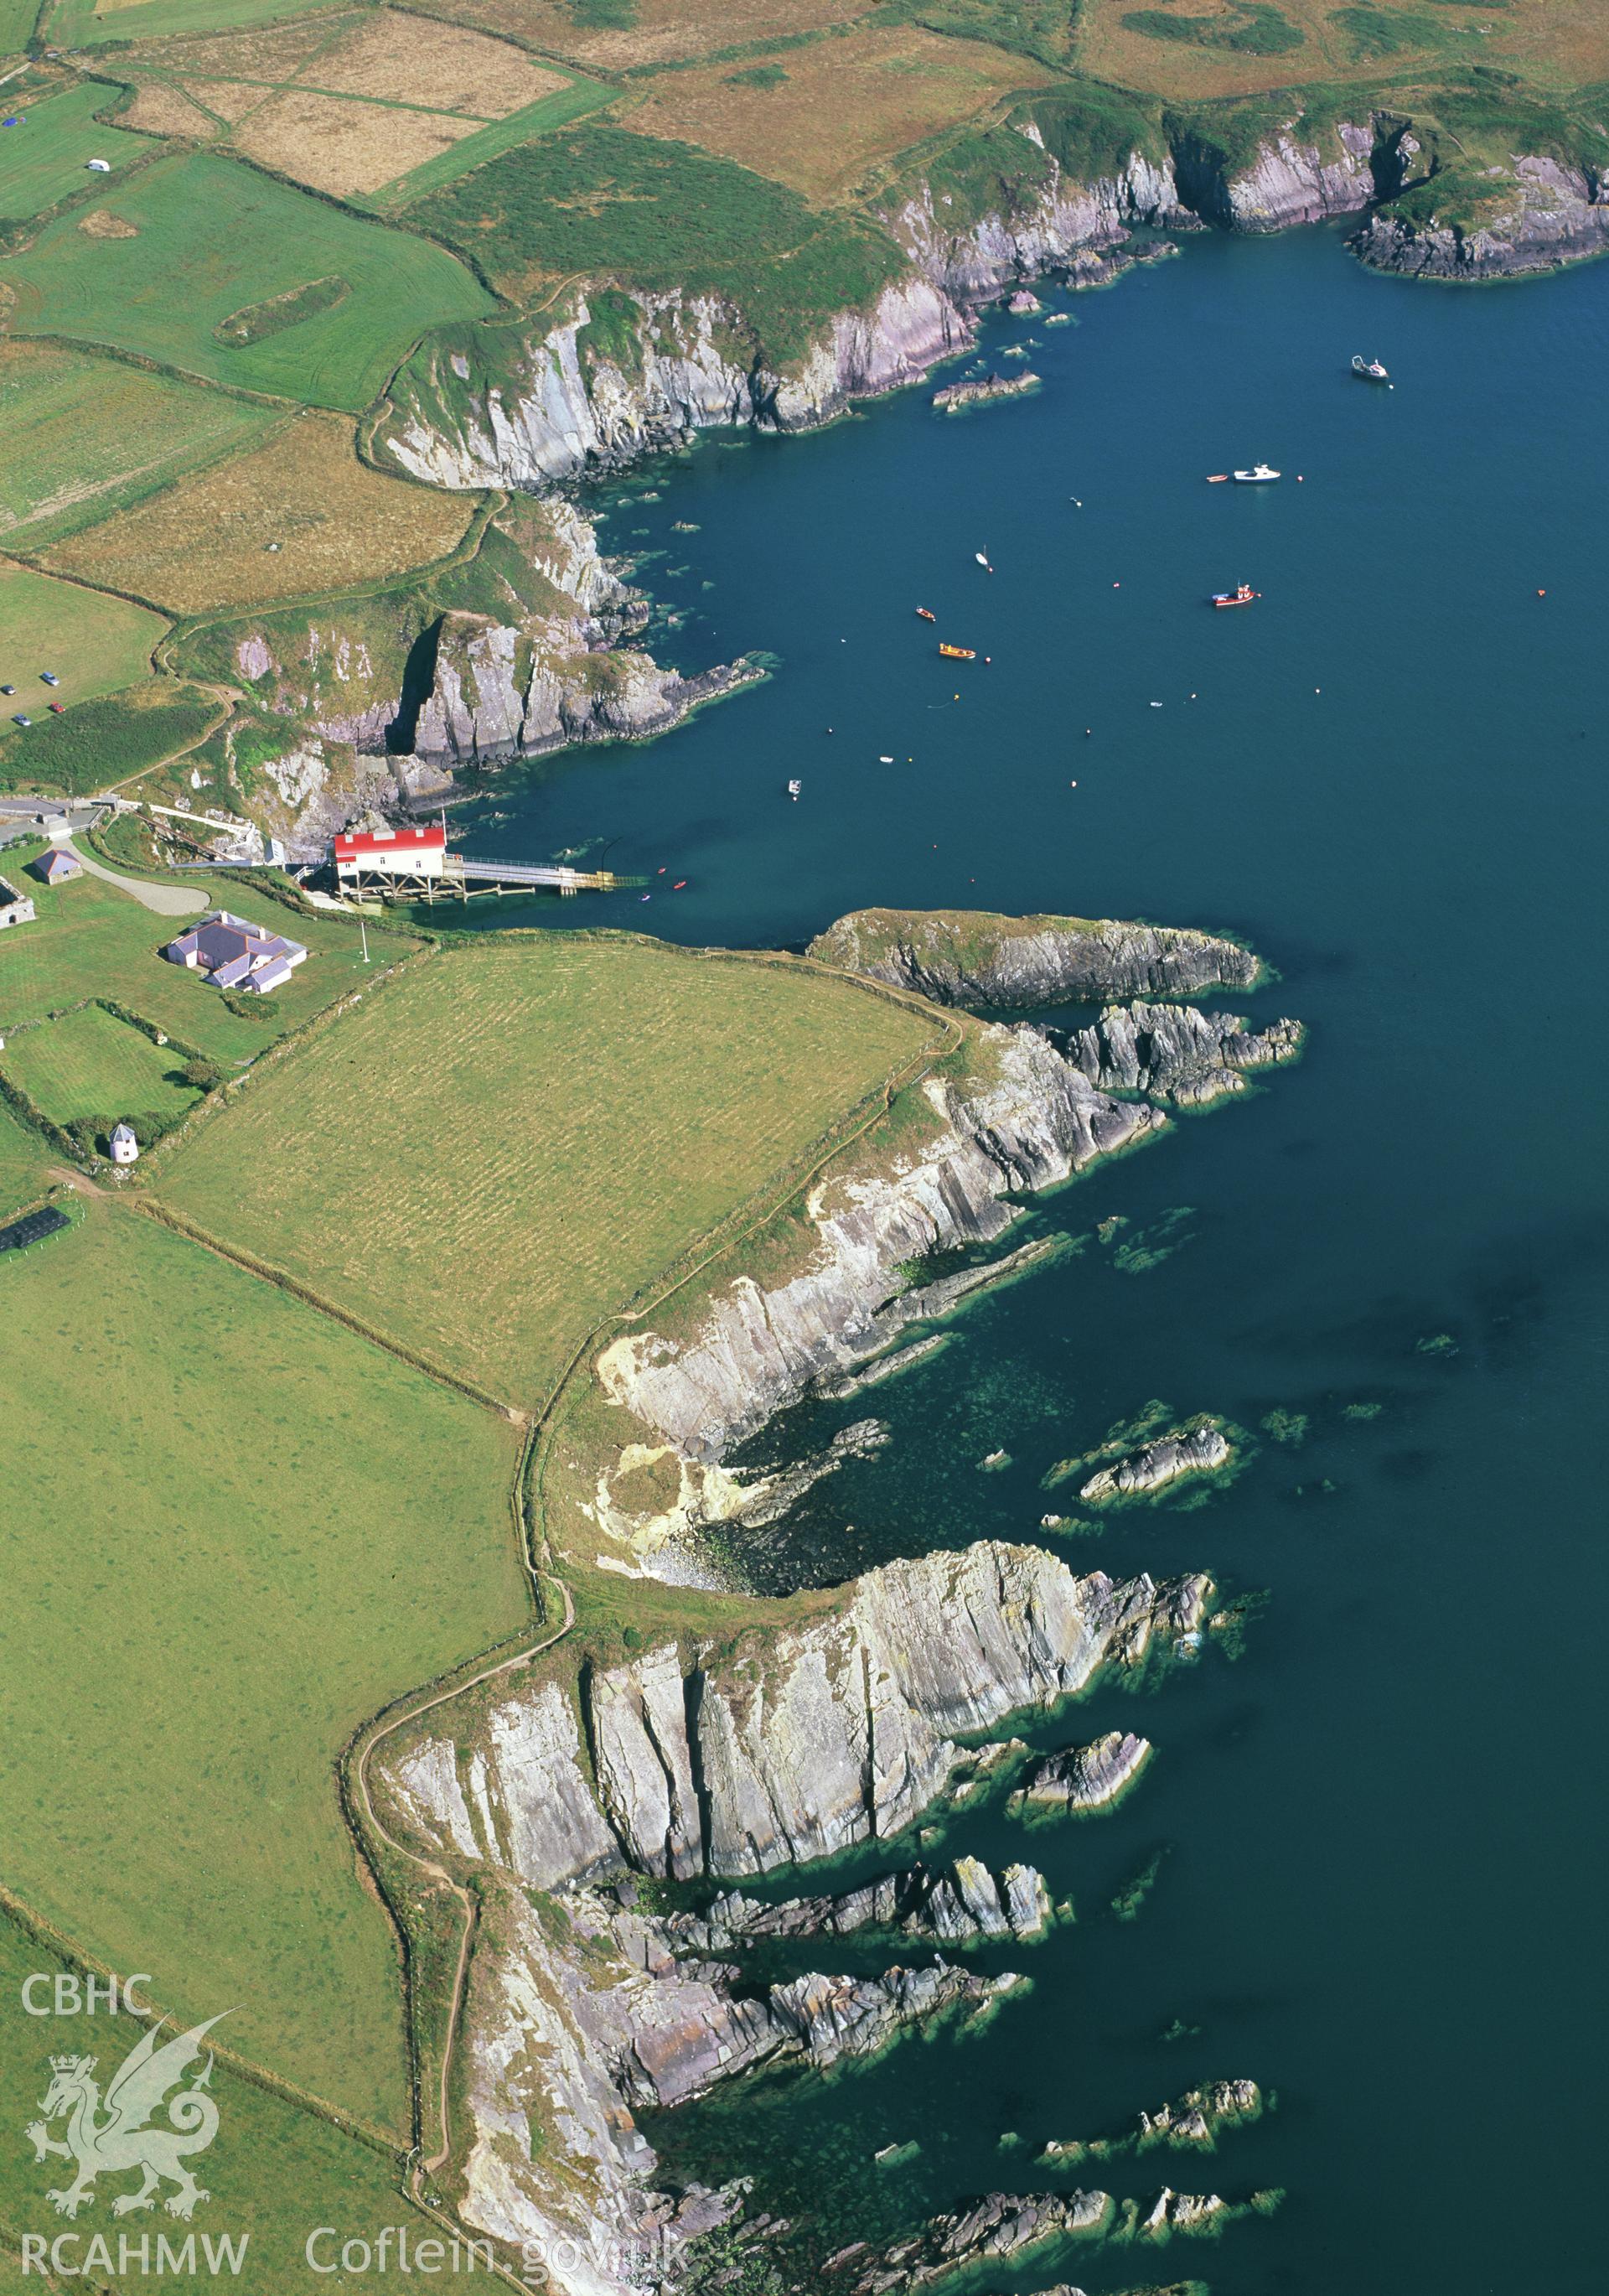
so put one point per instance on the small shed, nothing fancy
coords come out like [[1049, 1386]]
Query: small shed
[[56, 867], [16, 908], [125, 1147]]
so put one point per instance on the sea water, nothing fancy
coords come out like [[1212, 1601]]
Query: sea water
[[1384, 1872]]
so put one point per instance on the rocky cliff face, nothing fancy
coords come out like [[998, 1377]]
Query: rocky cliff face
[[551, 408], [1177, 1054], [796, 1745], [1034, 1120], [790, 1744], [1544, 215], [1291, 178], [493, 409], [389, 701], [501, 692], [1067, 225], [971, 957]]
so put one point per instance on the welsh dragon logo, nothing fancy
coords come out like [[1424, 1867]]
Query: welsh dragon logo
[[121, 2139]]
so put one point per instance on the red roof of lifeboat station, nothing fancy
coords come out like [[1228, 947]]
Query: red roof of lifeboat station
[[353, 847]]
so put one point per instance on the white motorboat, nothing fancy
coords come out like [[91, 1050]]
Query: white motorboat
[[794, 788], [1259, 475], [1370, 370]]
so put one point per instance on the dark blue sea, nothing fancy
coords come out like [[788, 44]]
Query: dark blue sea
[[1383, 1880]]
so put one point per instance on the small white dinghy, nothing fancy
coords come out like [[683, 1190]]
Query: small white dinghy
[[1259, 475]]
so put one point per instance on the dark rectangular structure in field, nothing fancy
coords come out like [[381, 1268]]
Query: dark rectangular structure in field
[[32, 1228]]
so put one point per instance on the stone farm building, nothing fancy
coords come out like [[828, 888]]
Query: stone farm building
[[16, 908], [234, 954], [56, 867]]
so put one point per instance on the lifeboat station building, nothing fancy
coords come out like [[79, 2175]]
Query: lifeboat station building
[[395, 861]]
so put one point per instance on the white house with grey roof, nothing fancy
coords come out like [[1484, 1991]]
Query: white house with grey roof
[[235, 953]]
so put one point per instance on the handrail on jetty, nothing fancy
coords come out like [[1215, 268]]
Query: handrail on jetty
[[492, 875]]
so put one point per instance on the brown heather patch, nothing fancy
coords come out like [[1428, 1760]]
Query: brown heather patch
[[230, 98], [445, 67], [847, 105], [341, 147], [164, 110], [273, 52], [101, 224], [1555, 44], [205, 543], [664, 32]]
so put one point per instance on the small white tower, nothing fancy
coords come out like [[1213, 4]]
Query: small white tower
[[125, 1147]]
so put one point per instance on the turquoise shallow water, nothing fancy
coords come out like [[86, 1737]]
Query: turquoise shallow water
[[1384, 1864]]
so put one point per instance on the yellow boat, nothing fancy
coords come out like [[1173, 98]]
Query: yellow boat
[[957, 653]]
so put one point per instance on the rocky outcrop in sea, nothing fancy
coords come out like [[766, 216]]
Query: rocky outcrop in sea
[[1192, 2122], [955, 398], [1201, 1448], [1177, 1054], [1003, 2226], [1092, 1777], [954, 1905], [1545, 214], [971, 957]]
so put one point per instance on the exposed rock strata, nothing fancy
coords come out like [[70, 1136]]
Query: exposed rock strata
[[1546, 214], [973, 958], [1005, 2226], [581, 2017], [803, 1743], [956, 397], [1177, 1054], [481, 711], [954, 1905], [791, 1745], [1289, 180], [1200, 1450], [1035, 1121], [1190, 2121], [1085, 1778]]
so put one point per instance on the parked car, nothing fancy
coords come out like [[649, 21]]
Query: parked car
[[49, 678], [20, 718]]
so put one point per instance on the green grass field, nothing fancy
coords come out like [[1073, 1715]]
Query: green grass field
[[105, 742], [43, 159], [94, 643], [90, 1064], [213, 237], [659, 215], [259, 1530], [23, 1155], [82, 23], [85, 436], [576, 1112], [91, 940], [274, 2169], [17, 18]]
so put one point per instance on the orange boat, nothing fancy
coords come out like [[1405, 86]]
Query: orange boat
[[1242, 597], [957, 653], [927, 614]]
